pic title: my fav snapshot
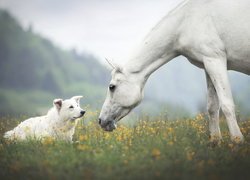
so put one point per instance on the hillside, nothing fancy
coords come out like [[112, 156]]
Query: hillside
[[33, 70]]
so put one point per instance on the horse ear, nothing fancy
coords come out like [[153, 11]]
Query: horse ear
[[114, 66], [111, 63], [77, 99], [58, 103]]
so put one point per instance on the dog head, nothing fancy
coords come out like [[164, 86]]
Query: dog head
[[69, 109]]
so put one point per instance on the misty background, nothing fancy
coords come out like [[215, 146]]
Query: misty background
[[51, 49]]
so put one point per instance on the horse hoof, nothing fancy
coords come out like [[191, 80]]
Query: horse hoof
[[237, 139]]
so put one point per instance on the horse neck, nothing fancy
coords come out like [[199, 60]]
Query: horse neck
[[157, 49]]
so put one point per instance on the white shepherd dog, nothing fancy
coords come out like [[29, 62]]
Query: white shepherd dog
[[59, 123]]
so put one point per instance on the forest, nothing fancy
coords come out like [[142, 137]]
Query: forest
[[33, 71]]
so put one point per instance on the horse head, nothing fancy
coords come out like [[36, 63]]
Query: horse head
[[124, 93]]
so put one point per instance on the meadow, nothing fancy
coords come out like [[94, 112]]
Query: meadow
[[152, 148]]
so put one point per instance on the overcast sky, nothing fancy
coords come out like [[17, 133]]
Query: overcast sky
[[107, 28]]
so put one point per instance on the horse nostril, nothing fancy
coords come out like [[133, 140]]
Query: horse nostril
[[100, 121], [82, 112]]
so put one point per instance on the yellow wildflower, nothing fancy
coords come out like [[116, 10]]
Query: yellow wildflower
[[190, 155], [156, 153], [170, 143], [83, 137], [48, 140], [83, 147]]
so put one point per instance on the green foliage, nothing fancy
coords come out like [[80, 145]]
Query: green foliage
[[150, 149], [24, 101], [31, 63]]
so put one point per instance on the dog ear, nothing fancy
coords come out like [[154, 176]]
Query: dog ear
[[77, 99], [58, 103]]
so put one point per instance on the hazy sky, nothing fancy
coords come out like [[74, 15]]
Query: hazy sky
[[107, 28]]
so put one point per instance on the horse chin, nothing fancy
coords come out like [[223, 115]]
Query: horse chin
[[110, 126]]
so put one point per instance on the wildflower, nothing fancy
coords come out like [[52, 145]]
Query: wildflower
[[119, 138], [83, 147], [106, 136], [190, 155], [199, 117], [156, 153], [83, 137], [230, 145], [170, 143], [170, 129], [48, 141]]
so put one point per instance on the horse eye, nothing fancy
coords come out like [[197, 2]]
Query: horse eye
[[111, 87], [71, 107]]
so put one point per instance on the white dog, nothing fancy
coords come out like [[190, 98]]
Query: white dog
[[59, 123]]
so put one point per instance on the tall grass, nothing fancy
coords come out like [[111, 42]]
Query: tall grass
[[150, 149]]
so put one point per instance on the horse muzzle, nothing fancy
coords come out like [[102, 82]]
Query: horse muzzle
[[107, 125]]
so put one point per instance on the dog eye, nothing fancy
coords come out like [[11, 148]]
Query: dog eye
[[111, 87], [71, 107]]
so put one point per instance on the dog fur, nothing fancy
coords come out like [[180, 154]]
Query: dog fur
[[59, 123]]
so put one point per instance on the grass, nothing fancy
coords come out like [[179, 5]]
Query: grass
[[150, 149]]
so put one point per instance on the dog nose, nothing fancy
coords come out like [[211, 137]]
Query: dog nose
[[82, 113], [100, 121]]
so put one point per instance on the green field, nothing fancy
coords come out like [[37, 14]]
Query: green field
[[150, 149]]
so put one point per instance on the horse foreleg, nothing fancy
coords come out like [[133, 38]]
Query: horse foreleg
[[213, 108], [216, 69]]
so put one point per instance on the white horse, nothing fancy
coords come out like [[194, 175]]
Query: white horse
[[212, 34]]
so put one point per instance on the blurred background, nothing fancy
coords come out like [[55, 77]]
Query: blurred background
[[57, 49]]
